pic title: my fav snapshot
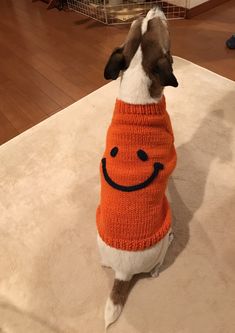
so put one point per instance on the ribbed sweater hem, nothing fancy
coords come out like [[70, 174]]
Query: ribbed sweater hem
[[146, 109], [138, 245]]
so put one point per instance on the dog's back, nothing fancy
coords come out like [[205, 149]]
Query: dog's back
[[133, 218]]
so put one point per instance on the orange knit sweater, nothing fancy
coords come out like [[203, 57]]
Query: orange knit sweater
[[134, 213]]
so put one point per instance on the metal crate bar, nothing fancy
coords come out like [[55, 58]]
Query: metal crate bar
[[126, 11]]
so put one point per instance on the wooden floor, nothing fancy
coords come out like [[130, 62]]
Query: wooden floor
[[50, 59]]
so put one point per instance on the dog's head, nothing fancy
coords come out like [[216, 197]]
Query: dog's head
[[146, 49]]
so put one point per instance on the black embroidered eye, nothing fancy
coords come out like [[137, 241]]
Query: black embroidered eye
[[114, 151], [142, 155]]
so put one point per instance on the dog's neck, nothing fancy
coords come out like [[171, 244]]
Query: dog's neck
[[135, 84]]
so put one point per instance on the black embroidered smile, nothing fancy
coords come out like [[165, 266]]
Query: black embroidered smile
[[156, 168]]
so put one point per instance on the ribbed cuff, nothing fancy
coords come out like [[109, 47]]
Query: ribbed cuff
[[147, 109]]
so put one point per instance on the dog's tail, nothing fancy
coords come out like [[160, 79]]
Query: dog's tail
[[117, 299]]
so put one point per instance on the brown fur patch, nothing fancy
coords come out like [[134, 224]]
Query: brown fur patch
[[120, 291], [132, 41], [154, 43]]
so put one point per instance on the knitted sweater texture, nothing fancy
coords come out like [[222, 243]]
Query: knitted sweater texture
[[139, 157]]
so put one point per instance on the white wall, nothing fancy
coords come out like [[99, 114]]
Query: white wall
[[186, 3], [194, 3]]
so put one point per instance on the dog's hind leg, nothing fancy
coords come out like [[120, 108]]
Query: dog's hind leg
[[156, 269]]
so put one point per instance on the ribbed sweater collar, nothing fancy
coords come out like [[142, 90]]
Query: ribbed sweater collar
[[146, 109]]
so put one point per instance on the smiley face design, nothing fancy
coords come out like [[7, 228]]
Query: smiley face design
[[142, 155]]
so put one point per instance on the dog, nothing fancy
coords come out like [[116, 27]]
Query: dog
[[133, 218]]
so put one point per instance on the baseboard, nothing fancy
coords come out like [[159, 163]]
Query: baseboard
[[203, 7]]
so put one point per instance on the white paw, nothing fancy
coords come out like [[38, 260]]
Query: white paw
[[155, 272], [171, 237]]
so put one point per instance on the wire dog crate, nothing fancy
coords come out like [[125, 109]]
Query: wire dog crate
[[126, 11]]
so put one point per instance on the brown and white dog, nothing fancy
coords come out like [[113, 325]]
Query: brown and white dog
[[145, 64]]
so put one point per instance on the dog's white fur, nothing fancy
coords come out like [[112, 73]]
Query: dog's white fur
[[134, 86], [127, 263], [134, 89]]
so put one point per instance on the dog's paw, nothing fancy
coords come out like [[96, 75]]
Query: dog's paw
[[155, 272]]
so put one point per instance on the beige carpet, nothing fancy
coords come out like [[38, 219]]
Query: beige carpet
[[50, 277]]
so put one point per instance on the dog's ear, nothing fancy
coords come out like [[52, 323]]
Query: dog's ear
[[165, 72], [115, 64]]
